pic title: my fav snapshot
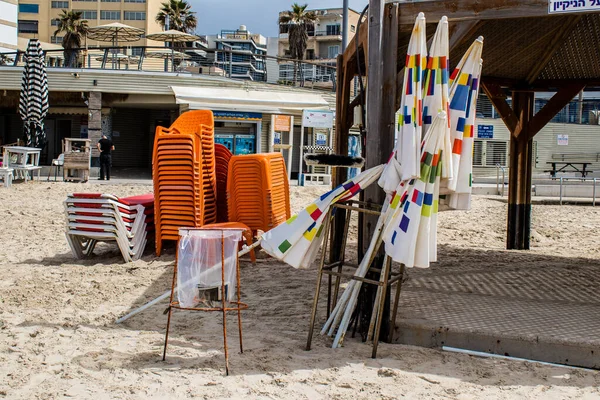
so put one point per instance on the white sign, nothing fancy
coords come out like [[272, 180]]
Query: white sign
[[317, 119], [569, 6], [562, 140], [321, 139]]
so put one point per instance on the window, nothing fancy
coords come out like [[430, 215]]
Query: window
[[134, 15], [110, 1], [113, 15], [88, 14], [28, 26], [136, 51], [60, 4], [54, 22], [310, 54], [495, 153], [29, 8], [333, 30], [135, 1], [333, 51], [56, 39], [87, 0], [477, 152]]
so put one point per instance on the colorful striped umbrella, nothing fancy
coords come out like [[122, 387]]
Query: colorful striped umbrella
[[33, 101], [404, 163], [464, 92], [407, 235], [464, 89], [435, 100], [297, 241]]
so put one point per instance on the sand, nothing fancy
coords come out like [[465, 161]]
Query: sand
[[58, 338]]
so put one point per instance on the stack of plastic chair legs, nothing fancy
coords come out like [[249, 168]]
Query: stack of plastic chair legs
[[258, 191], [184, 175], [95, 217]]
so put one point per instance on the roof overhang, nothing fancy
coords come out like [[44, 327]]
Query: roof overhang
[[232, 99]]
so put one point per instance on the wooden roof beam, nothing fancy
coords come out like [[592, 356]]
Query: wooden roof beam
[[463, 10], [498, 98], [553, 107]]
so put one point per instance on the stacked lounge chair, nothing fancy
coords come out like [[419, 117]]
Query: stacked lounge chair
[[96, 217]]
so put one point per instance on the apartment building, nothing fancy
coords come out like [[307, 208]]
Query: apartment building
[[323, 46], [247, 61], [38, 18], [8, 26]]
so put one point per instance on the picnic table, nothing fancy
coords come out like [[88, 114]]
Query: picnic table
[[27, 159], [569, 166]]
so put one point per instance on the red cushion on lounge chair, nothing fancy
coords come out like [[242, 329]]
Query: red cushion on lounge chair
[[87, 195], [144, 199]]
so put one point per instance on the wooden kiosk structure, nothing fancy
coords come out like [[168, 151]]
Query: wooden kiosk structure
[[78, 156], [529, 46]]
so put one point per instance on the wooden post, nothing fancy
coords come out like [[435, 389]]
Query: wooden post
[[381, 99], [519, 189], [381, 95], [523, 126]]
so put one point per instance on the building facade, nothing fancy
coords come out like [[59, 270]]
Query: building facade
[[38, 18], [323, 46], [241, 54], [8, 26]]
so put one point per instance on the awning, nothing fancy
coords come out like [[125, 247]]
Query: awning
[[233, 99]]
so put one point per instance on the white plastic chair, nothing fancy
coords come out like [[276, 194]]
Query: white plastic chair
[[56, 164]]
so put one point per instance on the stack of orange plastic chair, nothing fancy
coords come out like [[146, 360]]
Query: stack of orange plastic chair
[[258, 191], [222, 157], [183, 171]]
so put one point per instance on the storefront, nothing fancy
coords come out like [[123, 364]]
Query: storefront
[[239, 131]]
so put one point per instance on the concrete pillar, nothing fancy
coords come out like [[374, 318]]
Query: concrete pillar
[[95, 124]]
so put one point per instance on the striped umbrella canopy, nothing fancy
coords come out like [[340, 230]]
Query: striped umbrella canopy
[[297, 241], [33, 102], [404, 162], [407, 235], [464, 91]]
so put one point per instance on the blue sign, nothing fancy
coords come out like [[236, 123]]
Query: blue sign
[[485, 131], [238, 115]]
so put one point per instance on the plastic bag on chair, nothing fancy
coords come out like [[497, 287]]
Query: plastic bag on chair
[[201, 256]]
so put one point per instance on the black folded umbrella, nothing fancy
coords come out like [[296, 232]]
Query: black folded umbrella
[[33, 102]]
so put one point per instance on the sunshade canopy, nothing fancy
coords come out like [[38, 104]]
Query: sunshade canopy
[[233, 99], [172, 36], [177, 55], [115, 32]]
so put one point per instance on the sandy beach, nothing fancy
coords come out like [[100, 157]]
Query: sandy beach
[[58, 337]]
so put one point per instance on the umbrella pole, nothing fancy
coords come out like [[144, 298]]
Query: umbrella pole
[[172, 57]]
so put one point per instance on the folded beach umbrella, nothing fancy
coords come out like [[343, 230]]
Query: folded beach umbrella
[[471, 63], [33, 101], [436, 89], [404, 164], [464, 89], [408, 234], [297, 241]]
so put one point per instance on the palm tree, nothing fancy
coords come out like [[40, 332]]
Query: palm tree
[[298, 20], [181, 16], [74, 28]]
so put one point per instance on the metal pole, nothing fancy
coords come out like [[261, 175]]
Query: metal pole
[[594, 194], [560, 190], [345, 29]]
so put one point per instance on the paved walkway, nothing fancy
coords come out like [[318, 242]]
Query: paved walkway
[[512, 303]]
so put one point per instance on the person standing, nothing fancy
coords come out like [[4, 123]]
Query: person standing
[[105, 146]]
